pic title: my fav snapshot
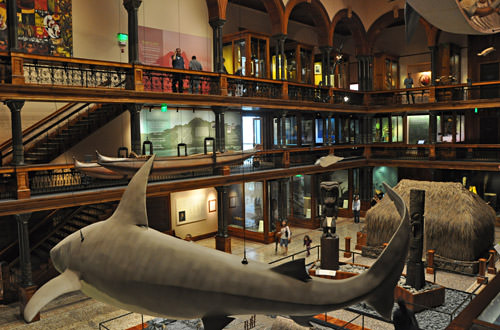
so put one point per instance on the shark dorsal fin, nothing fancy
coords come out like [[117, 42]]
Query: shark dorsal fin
[[294, 268], [132, 207]]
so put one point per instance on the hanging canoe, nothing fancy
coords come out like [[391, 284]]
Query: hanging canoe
[[175, 164], [97, 171]]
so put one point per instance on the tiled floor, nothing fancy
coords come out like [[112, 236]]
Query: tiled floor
[[76, 311]]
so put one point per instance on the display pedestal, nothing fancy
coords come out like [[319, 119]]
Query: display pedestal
[[422, 300], [25, 295], [223, 244], [360, 240], [330, 253]]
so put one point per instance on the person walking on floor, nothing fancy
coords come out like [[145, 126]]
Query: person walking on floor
[[356, 208], [195, 80], [307, 244], [286, 236]]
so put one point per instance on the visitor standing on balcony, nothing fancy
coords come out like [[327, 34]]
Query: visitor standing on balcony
[[195, 80], [408, 82], [177, 63], [356, 208]]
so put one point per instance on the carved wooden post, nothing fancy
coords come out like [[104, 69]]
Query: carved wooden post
[[284, 90], [430, 262], [347, 253], [491, 266], [481, 278], [17, 65], [286, 159], [223, 85], [415, 276], [23, 184], [138, 82]]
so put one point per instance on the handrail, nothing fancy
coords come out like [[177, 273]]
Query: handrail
[[40, 123], [73, 60], [31, 230]]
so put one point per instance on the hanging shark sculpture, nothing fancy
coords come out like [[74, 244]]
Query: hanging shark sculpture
[[123, 262]]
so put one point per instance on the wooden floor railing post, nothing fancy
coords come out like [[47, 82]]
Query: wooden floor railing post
[[430, 262], [491, 265], [347, 253]]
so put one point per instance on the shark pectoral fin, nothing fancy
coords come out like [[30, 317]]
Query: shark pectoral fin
[[132, 207], [294, 268], [216, 322], [302, 320], [64, 283]]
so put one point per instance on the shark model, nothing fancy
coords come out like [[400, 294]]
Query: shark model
[[124, 263]]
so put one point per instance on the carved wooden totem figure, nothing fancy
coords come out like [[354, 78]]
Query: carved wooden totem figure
[[330, 191], [415, 268]]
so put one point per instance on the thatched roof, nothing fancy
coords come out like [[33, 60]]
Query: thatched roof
[[458, 224]]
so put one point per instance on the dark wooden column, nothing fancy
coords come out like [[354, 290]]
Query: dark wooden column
[[283, 129], [132, 6], [325, 63], [434, 58], [415, 276], [17, 131], [26, 286], [365, 72], [220, 131], [329, 130], [135, 127], [12, 25], [267, 128], [217, 25], [222, 239], [433, 128]]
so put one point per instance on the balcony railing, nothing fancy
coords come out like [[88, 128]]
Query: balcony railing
[[28, 69]]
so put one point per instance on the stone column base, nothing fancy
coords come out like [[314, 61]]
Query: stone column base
[[223, 244], [25, 295]]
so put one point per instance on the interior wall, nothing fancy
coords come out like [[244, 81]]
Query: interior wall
[[95, 30], [31, 113], [106, 140], [202, 227]]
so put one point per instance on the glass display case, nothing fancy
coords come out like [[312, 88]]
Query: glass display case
[[299, 62], [246, 54], [385, 72]]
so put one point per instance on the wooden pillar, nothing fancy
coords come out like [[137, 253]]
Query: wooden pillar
[[135, 127], [414, 267], [218, 61], [17, 131], [132, 6], [481, 278], [222, 239]]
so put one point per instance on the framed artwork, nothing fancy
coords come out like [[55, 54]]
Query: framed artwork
[[182, 216], [317, 68], [212, 205], [232, 201]]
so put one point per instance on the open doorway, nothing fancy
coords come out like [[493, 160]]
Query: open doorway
[[252, 133]]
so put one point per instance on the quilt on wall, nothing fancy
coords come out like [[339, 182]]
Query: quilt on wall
[[44, 27]]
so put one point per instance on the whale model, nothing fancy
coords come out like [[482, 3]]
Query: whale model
[[123, 262]]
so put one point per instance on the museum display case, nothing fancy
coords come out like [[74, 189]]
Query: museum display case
[[299, 62], [247, 54], [385, 72]]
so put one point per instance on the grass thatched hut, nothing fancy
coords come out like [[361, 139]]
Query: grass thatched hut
[[458, 224]]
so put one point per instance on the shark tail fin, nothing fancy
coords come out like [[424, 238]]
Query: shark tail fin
[[64, 283], [132, 207]]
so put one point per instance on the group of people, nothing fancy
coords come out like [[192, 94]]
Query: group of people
[[178, 78]]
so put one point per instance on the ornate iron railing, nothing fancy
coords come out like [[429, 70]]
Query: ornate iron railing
[[156, 80], [74, 74], [308, 93], [253, 88]]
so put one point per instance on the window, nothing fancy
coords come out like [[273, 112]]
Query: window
[[319, 131], [301, 196], [307, 131], [418, 128], [291, 130], [397, 128]]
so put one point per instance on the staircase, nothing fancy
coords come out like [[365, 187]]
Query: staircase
[[68, 133], [60, 228]]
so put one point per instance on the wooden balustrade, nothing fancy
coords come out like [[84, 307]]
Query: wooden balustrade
[[324, 95], [481, 278]]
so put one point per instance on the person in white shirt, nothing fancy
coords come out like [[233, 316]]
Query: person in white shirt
[[285, 236], [356, 208]]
